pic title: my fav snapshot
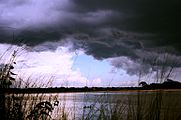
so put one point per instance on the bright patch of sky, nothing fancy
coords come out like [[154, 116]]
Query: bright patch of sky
[[91, 67]]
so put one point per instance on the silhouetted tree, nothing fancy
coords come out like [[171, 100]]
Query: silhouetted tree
[[143, 84]]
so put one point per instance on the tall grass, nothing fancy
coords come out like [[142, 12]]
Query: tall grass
[[125, 108], [152, 106]]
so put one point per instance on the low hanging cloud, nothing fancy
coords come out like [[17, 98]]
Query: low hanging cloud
[[147, 63], [129, 65]]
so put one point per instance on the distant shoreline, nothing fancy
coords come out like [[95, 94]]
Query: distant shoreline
[[74, 90]]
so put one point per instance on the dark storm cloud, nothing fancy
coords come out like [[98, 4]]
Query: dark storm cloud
[[109, 28], [151, 15], [159, 17], [148, 62], [34, 22]]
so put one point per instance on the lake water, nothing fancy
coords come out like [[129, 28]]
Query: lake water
[[91, 105]]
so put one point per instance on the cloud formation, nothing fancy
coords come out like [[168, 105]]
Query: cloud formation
[[104, 29]]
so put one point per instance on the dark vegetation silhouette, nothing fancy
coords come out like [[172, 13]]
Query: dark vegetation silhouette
[[168, 84], [6, 80], [11, 104], [42, 111], [6, 74]]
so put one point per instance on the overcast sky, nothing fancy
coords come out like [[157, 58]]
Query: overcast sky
[[91, 42]]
